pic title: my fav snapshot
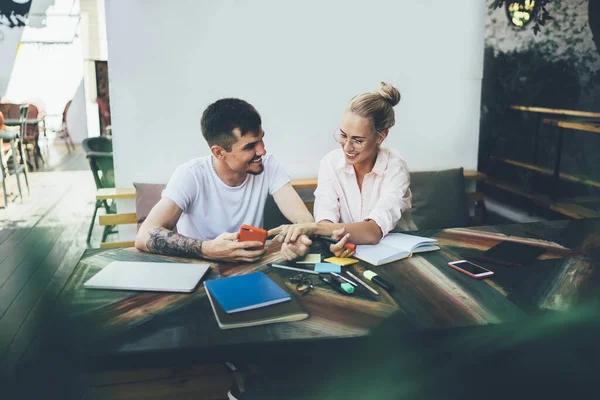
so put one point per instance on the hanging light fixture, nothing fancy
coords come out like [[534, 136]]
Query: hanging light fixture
[[521, 12], [13, 13]]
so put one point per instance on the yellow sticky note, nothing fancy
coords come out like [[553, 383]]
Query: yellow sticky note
[[341, 261]]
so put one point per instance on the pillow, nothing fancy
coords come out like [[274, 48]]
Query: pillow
[[146, 197], [439, 199]]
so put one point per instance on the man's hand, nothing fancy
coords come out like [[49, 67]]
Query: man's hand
[[291, 233], [338, 249], [225, 248], [299, 248]]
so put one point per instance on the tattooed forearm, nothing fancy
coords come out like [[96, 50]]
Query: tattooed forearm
[[169, 243]]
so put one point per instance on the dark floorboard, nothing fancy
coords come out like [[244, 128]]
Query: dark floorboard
[[58, 267], [6, 247], [29, 281], [41, 241], [4, 234], [24, 260]]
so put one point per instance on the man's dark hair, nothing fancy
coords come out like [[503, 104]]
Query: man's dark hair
[[223, 116]]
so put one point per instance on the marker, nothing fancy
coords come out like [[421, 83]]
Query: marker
[[346, 279], [362, 283], [336, 287], [373, 277], [349, 246], [308, 271], [346, 287]]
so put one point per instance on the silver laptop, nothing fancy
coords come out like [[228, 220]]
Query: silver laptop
[[151, 276]]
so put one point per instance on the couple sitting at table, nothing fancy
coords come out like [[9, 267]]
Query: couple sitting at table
[[362, 194]]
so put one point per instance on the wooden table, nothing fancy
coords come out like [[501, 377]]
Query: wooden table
[[119, 328]]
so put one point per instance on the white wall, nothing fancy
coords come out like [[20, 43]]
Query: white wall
[[76, 116], [8, 51], [298, 63]]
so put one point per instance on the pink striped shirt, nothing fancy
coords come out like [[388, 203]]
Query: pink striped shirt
[[385, 196]]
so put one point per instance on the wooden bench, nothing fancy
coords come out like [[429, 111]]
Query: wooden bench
[[475, 198], [575, 120]]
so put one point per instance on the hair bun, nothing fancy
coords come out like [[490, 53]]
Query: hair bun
[[389, 93]]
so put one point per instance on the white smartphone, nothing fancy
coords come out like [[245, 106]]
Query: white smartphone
[[468, 268]]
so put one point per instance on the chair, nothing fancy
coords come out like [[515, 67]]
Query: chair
[[31, 139], [14, 149], [99, 154], [63, 133]]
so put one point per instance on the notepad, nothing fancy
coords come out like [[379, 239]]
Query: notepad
[[246, 292], [341, 261], [282, 312], [394, 246], [327, 267]]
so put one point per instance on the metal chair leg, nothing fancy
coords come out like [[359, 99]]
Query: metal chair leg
[[4, 175], [107, 231], [17, 167], [98, 204], [4, 190], [25, 166]]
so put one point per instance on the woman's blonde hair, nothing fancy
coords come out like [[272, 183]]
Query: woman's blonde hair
[[377, 106]]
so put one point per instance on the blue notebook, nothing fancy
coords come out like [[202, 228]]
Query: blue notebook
[[246, 292]]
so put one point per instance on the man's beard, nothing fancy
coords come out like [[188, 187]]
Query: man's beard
[[251, 172]]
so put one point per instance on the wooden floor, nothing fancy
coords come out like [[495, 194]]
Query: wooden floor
[[41, 240]]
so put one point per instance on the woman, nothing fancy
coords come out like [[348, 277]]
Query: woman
[[363, 188]]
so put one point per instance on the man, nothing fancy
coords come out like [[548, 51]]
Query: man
[[209, 198]]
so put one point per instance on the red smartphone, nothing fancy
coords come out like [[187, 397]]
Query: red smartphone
[[250, 233], [468, 268]]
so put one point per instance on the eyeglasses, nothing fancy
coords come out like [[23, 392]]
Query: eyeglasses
[[342, 138], [303, 283]]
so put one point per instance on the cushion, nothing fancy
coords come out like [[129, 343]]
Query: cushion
[[146, 197], [148, 194], [274, 218], [439, 199]]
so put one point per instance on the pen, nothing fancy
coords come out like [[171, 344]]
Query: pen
[[308, 271], [349, 246], [346, 279], [362, 283], [336, 287]]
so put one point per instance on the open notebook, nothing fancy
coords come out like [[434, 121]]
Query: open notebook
[[394, 246]]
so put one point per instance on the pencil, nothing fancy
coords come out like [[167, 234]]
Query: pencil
[[362, 283]]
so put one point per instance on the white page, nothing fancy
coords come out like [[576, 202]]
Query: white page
[[374, 254], [405, 242], [425, 247]]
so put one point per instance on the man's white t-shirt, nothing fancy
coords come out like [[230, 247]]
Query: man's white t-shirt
[[211, 207]]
